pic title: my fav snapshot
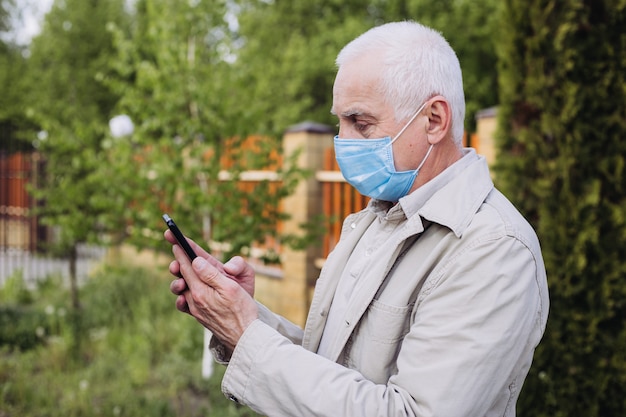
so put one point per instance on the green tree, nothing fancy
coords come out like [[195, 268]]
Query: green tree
[[13, 121], [177, 83], [289, 48], [287, 56], [561, 160], [70, 106]]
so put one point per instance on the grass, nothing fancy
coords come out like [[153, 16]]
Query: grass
[[126, 352]]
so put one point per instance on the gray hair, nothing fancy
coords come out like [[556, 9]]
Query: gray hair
[[417, 64]]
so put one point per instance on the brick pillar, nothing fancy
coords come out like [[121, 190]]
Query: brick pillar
[[299, 270]]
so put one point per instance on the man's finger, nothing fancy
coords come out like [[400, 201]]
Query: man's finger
[[205, 271], [198, 276], [181, 304], [199, 250], [175, 269], [235, 266], [178, 286]]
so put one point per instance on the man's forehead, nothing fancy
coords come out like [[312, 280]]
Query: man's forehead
[[356, 97], [362, 103]]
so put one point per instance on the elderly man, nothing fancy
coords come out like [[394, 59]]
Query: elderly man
[[434, 299]]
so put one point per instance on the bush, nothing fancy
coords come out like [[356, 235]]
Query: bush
[[22, 328], [14, 290], [562, 161], [137, 356], [22, 324]]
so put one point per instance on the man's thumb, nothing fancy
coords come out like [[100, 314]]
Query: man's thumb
[[235, 266]]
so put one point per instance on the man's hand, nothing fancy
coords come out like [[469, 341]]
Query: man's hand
[[223, 304], [236, 268]]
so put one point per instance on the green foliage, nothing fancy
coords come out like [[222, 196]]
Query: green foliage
[[71, 108], [5, 5], [14, 290], [176, 82], [139, 356], [562, 157], [290, 48], [21, 327], [13, 120], [298, 68]]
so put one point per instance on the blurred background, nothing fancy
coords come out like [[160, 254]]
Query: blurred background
[[113, 112]]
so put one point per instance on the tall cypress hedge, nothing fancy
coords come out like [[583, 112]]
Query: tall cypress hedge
[[562, 150]]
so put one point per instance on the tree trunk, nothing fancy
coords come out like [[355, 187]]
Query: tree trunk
[[73, 278]]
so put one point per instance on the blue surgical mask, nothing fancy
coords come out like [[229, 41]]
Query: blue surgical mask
[[367, 165]]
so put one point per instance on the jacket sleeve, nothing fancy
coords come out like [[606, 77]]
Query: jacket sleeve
[[283, 326], [472, 336]]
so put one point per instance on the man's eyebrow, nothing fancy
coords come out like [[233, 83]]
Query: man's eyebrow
[[348, 113]]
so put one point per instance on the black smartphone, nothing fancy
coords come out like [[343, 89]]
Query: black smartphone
[[179, 237]]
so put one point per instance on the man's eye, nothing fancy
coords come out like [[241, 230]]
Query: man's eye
[[360, 126]]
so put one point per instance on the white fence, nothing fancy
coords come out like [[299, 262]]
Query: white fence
[[34, 268]]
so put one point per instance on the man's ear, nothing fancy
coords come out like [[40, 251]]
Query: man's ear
[[439, 119]]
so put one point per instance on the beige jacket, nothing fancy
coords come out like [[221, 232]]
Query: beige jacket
[[445, 324]]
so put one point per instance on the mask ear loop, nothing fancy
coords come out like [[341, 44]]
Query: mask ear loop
[[417, 170], [425, 158], [409, 122]]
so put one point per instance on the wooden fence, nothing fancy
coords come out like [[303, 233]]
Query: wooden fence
[[19, 230]]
